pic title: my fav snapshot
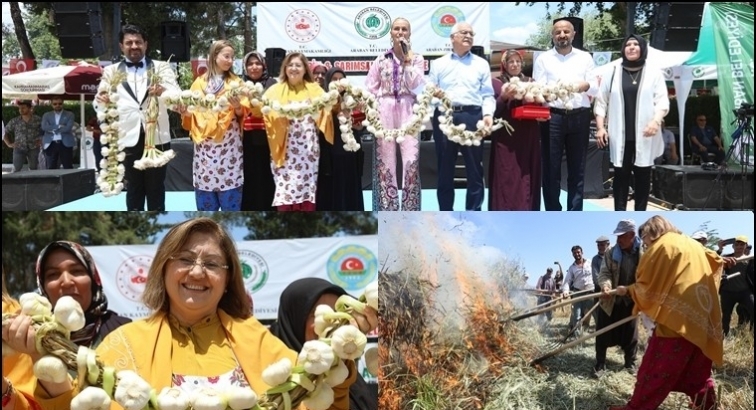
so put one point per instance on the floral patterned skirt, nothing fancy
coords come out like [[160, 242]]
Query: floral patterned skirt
[[296, 181], [220, 166]]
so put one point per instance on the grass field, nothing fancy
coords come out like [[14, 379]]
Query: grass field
[[471, 357]]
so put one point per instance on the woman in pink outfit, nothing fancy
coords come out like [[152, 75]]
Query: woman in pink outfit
[[391, 78]]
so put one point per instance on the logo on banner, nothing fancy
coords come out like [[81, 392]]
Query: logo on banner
[[302, 25], [668, 73], [254, 270], [131, 276], [445, 18], [699, 72], [372, 23], [352, 267], [601, 59]]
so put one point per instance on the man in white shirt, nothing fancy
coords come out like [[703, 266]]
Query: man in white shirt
[[579, 278], [569, 127]]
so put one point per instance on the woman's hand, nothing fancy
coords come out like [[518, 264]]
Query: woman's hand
[[621, 291], [651, 129], [19, 334], [366, 321], [235, 102], [602, 138]]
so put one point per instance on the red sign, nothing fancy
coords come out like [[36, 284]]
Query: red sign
[[22, 65], [199, 67]]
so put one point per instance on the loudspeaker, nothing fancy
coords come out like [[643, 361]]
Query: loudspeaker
[[175, 42], [273, 59], [479, 51], [79, 29], [695, 188], [44, 189], [681, 25], [577, 22]]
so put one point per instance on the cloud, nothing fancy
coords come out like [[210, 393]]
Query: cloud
[[515, 34]]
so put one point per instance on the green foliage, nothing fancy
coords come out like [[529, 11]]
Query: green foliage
[[25, 234], [289, 225], [711, 233], [595, 25], [10, 43]]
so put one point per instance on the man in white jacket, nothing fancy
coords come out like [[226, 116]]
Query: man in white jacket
[[134, 95]]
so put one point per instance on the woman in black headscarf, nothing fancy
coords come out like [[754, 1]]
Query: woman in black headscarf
[[67, 269], [259, 188], [634, 102], [340, 171], [296, 325]]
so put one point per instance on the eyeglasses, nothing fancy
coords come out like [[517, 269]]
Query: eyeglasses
[[186, 264], [466, 33]]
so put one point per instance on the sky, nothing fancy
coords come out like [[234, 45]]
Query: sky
[[535, 239], [509, 22]]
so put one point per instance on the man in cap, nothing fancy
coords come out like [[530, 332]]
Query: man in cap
[[701, 237], [618, 269], [578, 278], [546, 288], [738, 289], [601, 243]]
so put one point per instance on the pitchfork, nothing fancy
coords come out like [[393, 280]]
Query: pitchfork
[[550, 305]]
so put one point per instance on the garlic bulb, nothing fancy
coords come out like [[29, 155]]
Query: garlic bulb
[[68, 313]]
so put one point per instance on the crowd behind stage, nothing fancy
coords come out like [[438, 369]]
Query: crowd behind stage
[[684, 293], [250, 158], [200, 335]]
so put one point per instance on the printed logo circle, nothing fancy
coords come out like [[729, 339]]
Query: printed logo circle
[[131, 276], [254, 270], [445, 18], [699, 72], [372, 23], [302, 25], [601, 59], [668, 73], [352, 267]]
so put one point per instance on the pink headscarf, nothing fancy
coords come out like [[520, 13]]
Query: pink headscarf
[[315, 64]]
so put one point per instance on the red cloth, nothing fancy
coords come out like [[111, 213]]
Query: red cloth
[[305, 206], [357, 117], [672, 364], [253, 123]]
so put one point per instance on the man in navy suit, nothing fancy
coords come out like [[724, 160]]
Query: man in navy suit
[[58, 140], [134, 93]]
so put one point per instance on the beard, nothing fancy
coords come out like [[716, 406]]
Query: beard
[[563, 43]]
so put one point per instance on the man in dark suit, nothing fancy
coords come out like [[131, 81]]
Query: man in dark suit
[[58, 140]]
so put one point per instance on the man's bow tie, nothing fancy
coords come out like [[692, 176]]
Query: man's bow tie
[[132, 65]]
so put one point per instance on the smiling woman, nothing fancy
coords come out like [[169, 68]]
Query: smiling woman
[[67, 269]]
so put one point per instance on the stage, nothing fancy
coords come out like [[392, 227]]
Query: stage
[[184, 201]]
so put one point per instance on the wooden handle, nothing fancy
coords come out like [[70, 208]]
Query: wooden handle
[[558, 305], [582, 339], [587, 315]]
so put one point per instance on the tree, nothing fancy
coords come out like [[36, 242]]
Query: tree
[[711, 233], [286, 225], [11, 49], [595, 26], [20, 29], [25, 234]]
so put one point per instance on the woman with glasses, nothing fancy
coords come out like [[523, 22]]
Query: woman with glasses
[[294, 144], [201, 333], [515, 165], [392, 78], [634, 102]]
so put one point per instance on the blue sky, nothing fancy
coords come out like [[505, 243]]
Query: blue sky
[[535, 239]]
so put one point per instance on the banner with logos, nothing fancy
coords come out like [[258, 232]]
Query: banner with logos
[[352, 35], [267, 267]]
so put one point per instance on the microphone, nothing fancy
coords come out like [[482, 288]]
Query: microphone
[[404, 47]]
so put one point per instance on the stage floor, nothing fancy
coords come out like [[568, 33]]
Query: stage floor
[[184, 201]]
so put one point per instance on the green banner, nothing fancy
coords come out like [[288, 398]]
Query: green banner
[[733, 45]]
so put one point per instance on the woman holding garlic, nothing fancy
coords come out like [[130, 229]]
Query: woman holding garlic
[[201, 345], [515, 165]]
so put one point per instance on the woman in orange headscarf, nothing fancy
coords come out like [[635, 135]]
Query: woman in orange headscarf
[[677, 286]]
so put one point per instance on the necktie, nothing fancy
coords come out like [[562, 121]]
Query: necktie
[[137, 65]]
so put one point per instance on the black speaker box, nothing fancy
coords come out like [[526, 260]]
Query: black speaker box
[[273, 59], [44, 189], [79, 29], [175, 42], [698, 189]]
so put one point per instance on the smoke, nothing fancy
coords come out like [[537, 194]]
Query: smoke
[[445, 249]]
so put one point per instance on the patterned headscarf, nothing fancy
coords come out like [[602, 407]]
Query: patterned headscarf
[[264, 77], [98, 306], [505, 76]]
